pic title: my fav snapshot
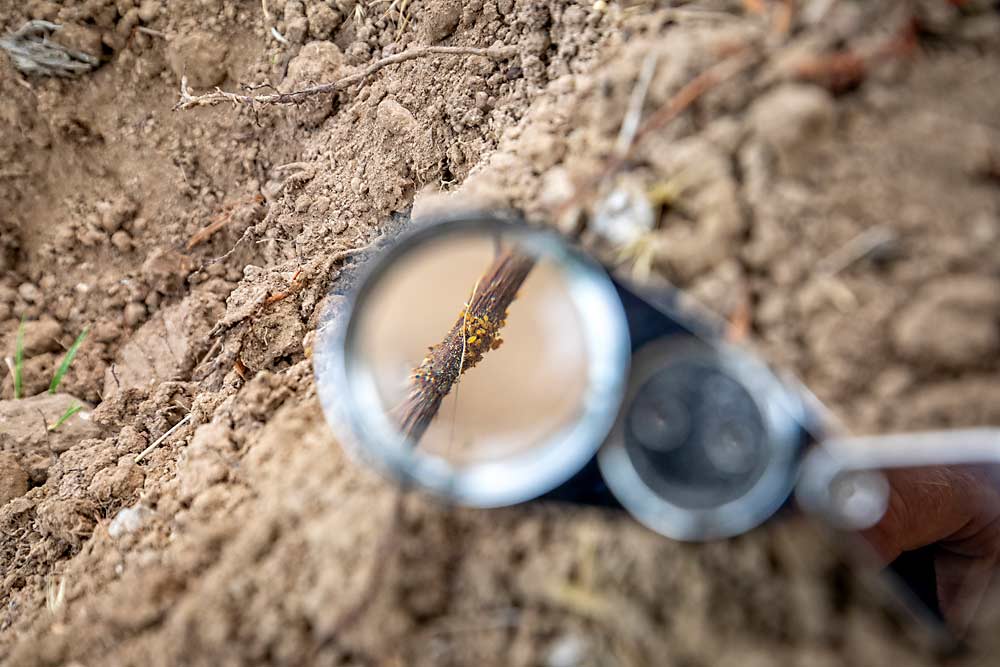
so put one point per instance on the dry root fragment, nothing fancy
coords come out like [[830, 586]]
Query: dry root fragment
[[842, 71], [219, 221], [219, 96], [476, 331], [32, 53]]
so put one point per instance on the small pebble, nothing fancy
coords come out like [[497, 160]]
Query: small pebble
[[135, 313], [148, 10], [13, 479], [128, 520], [122, 241], [29, 292]]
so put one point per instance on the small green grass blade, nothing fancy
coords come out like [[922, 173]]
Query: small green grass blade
[[67, 360], [19, 361], [70, 411]]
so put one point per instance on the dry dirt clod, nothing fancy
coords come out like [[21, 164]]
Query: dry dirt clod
[[439, 20], [953, 323], [316, 61], [166, 347], [40, 336], [25, 428], [201, 57], [166, 269], [791, 119], [13, 478]]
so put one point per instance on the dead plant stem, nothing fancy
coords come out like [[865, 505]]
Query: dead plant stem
[[219, 96]]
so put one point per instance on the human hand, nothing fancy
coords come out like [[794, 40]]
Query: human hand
[[957, 510]]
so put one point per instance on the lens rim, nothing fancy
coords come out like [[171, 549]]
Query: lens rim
[[353, 408], [782, 414]]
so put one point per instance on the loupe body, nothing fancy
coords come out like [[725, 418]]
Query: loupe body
[[597, 392]]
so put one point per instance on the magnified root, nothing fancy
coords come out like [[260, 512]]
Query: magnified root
[[475, 332]]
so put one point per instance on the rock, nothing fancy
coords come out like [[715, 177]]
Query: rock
[[439, 19], [953, 324], [569, 650], [70, 521], [625, 214], [105, 331], [790, 119], [117, 483], [122, 241], [13, 478], [47, 11], [166, 347], [29, 292], [297, 30], [129, 520], [200, 57]]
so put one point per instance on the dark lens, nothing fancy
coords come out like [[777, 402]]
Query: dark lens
[[696, 436]]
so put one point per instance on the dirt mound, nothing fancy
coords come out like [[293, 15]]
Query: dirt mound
[[811, 197]]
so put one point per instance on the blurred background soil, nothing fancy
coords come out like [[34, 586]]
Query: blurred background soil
[[838, 200]]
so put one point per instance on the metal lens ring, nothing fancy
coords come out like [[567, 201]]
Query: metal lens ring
[[530, 414], [707, 443]]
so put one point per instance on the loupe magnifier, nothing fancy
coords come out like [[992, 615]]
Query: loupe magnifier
[[591, 391], [491, 363]]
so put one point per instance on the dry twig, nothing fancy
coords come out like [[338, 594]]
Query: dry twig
[[219, 96]]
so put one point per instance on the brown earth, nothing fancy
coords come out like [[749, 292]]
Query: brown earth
[[246, 536]]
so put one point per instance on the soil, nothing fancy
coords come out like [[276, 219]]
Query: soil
[[246, 535]]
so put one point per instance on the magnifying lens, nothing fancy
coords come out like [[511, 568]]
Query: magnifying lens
[[491, 363]]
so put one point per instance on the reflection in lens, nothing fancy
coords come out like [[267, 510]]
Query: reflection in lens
[[859, 498], [733, 447], [659, 422]]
